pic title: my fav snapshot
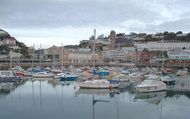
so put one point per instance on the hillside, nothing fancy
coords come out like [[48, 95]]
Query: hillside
[[9, 43]]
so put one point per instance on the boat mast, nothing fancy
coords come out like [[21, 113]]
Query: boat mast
[[54, 56], [117, 55], [158, 61], [94, 47], [19, 56], [33, 56], [62, 56], [40, 54], [162, 53]]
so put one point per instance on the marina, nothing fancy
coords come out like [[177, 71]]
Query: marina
[[99, 59], [51, 98]]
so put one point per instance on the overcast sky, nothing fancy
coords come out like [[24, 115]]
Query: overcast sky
[[52, 22]]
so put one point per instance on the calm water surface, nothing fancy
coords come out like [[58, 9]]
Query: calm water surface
[[42, 100]]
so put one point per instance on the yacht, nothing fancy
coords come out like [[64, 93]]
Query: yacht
[[135, 76], [121, 77], [68, 77], [182, 72], [8, 76], [167, 79], [151, 86], [57, 76], [43, 74]]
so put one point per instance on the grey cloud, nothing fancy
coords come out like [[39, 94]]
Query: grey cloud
[[85, 13], [178, 25], [48, 13]]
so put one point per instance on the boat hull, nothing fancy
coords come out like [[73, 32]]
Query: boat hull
[[42, 75], [68, 78], [151, 86]]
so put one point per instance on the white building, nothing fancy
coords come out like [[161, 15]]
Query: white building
[[82, 56], [119, 54], [14, 54], [162, 46], [113, 55], [179, 55]]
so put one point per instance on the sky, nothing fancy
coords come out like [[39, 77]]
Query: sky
[[53, 22]]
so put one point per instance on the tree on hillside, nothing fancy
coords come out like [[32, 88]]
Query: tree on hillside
[[187, 37], [169, 35], [148, 37], [179, 32], [23, 50], [4, 50]]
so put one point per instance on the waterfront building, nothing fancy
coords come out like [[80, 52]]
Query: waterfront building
[[113, 55], [162, 46], [179, 55], [53, 53], [31, 50], [40, 54], [122, 54], [82, 56], [122, 40]]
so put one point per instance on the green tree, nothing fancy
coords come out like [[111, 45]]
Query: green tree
[[4, 50], [179, 32]]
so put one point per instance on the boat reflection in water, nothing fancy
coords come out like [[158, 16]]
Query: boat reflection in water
[[100, 92], [56, 82], [5, 88], [151, 97]]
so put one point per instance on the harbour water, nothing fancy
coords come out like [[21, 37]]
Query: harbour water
[[44, 100]]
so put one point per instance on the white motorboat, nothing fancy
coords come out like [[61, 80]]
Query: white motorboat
[[121, 77], [125, 72], [42, 75], [8, 76], [57, 76], [135, 76], [167, 79], [182, 72], [28, 74], [8, 73], [152, 77], [56, 71], [151, 86], [99, 84]]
